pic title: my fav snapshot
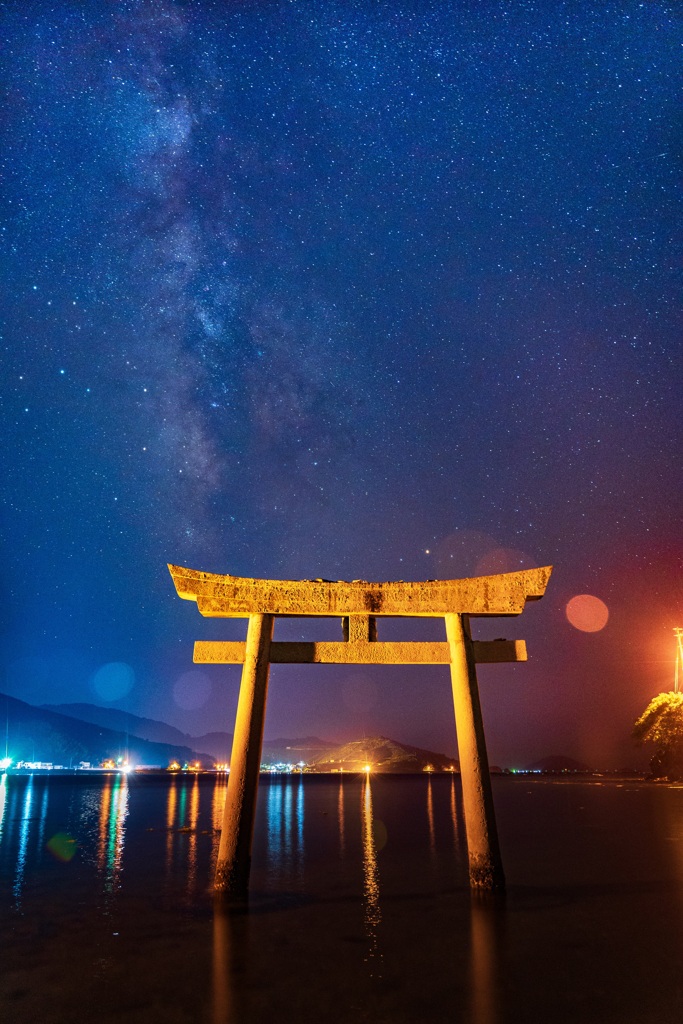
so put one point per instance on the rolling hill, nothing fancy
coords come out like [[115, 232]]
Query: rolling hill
[[40, 734], [383, 755], [216, 744]]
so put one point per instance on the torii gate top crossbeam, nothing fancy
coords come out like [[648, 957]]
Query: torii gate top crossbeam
[[238, 597]]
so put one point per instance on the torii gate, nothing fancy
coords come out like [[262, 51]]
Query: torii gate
[[358, 604]]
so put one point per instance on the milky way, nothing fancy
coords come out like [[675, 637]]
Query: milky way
[[380, 290]]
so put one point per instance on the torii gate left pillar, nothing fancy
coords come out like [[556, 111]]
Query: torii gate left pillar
[[234, 851], [358, 603]]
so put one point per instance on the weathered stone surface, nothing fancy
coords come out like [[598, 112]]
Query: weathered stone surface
[[232, 652], [358, 604], [239, 597], [234, 850], [486, 865]]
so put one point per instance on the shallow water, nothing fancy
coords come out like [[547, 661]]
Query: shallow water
[[359, 907]]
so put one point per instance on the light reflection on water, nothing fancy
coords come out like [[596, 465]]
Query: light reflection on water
[[340, 817], [430, 816], [40, 842], [223, 1008], [183, 828], [334, 884], [285, 827], [192, 838], [97, 812], [103, 837], [3, 801], [171, 805], [454, 815], [300, 808], [24, 832], [275, 824], [112, 836], [484, 940], [220, 791], [372, 910]]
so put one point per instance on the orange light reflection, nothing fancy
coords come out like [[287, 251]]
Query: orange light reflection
[[430, 817], [373, 913]]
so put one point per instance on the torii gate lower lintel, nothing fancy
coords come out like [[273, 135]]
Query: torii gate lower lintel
[[358, 603]]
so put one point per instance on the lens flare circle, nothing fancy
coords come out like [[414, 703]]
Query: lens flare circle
[[62, 846], [587, 613], [113, 680], [501, 560], [191, 690]]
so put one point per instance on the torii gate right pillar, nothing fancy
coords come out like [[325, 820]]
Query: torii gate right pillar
[[485, 863]]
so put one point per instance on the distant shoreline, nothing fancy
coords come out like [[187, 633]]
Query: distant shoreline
[[569, 775]]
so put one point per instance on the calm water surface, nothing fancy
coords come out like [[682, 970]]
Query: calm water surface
[[359, 907]]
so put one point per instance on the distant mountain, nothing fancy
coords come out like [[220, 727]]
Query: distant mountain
[[557, 763], [217, 744], [287, 751], [305, 748], [123, 721], [39, 734], [384, 755]]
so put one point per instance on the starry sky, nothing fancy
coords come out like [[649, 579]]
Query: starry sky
[[369, 289]]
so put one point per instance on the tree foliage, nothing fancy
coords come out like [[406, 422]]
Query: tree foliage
[[661, 723]]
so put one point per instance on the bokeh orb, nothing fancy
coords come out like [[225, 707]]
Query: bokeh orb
[[501, 560], [191, 690], [587, 613], [113, 680], [62, 846]]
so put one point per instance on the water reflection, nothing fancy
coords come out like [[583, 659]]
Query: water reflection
[[669, 829], [13, 794], [3, 802], [86, 821], [182, 803], [486, 919], [287, 822], [23, 843], [220, 791], [300, 796], [230, 943], [42, 820], [112, 830], [192, 838], [223, 1009], [340, 817], [171, 804], [285, 812], [183, 809], [103, 831], [372, 912], [430, 817], [275, 826], [454, 815]]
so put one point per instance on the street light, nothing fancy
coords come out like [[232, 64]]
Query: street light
[[678, 633]]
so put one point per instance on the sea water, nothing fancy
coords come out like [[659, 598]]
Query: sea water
[[359, 905]]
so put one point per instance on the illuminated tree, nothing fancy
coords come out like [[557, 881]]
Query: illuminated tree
[[661, 723]]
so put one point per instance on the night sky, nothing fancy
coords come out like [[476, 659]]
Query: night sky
[[379, 290]]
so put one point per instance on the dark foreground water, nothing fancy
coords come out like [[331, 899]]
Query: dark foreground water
[[359, 909]]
